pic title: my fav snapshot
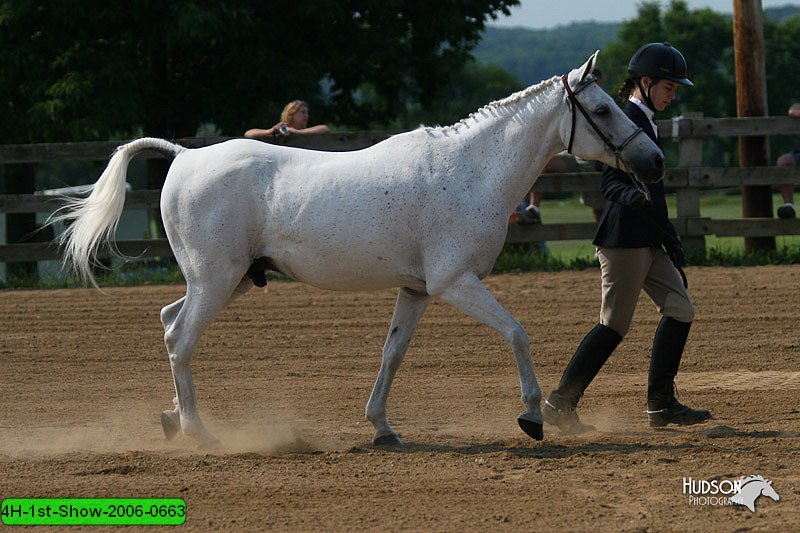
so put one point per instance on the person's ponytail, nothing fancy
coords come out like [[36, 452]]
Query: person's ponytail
[[626, 89]]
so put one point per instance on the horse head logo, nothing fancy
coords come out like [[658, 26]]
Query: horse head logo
[[751, 487]]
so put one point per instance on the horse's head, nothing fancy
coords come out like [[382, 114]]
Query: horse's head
[[767, 490], [595, 128], [751, 487]]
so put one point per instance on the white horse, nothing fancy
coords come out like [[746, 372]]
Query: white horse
[[425, 211], [751, 488]]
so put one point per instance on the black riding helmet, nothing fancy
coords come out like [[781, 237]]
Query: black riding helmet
[[658, 61]]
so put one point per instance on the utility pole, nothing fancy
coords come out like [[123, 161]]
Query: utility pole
[[751, 101]]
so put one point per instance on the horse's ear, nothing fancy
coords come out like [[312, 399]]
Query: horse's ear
[[589, 65], [580, 73]]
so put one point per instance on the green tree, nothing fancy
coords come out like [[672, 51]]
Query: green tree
[[706, 40], [85, 69], [782, 48], [475, 86], [73, 70], [703, 36], [536, 55]]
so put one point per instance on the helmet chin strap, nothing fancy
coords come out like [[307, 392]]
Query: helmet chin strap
[[646, 94], [649, 103]]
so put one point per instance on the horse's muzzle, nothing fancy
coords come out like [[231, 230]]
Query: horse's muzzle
[[652, 170]]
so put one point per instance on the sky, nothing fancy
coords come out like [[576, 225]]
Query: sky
[[550, 13]]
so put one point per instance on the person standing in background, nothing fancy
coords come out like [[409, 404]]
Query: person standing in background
[[294, 121]]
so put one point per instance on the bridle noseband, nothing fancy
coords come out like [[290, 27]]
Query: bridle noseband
[[571, 95]]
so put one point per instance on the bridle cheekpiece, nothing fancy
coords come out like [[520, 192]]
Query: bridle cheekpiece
[[571, 96], [615, 149]]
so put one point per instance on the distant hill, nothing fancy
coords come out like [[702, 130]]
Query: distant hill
[[535, 55], [779, 13]]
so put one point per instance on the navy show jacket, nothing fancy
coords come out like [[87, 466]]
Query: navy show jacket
[[623, 222]]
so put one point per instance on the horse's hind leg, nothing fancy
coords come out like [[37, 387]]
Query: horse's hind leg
[[171, 420], [184, 322], [169, 312], [407, 313], [469, 295]]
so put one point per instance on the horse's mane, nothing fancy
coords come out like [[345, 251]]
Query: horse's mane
[[509, 102], [749, 479]]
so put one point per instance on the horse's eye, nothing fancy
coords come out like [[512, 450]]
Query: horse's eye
[[602, 109]]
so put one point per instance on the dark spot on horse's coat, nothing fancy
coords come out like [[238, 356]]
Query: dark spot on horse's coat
[[395, 330]]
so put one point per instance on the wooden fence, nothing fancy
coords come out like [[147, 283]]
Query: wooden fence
[[688, 179]]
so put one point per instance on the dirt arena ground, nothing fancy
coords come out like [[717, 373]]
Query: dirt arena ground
[[285, 372]]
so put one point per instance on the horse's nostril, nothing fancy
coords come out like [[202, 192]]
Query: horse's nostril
[[659, 162]]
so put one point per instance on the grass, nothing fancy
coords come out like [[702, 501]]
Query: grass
[[151, 272]]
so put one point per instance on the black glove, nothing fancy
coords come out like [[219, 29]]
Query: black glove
[[674, 249], [678, 257], [641, 200]]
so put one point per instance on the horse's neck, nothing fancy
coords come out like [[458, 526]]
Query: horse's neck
[[521, 136], [752, 488], [538, 140]]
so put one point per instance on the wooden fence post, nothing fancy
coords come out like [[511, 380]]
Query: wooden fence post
[[21, 227], [687, 199], [751, 101]]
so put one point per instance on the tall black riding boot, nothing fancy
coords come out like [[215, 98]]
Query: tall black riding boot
[[589, 358], [662, 406]]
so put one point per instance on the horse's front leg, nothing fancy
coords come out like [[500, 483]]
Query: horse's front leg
[[469, 295], [407, 313]]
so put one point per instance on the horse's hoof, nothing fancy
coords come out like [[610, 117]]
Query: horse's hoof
[[532, 429], [170, 426], [387, 440]]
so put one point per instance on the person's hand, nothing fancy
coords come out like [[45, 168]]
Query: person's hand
[[640, 200], [679, 257], [674, 249], [279, 130]]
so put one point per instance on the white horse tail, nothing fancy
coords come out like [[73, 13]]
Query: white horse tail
[[92, 221]]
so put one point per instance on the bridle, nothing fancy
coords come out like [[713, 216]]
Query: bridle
[[616, 149], [571, 95]]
